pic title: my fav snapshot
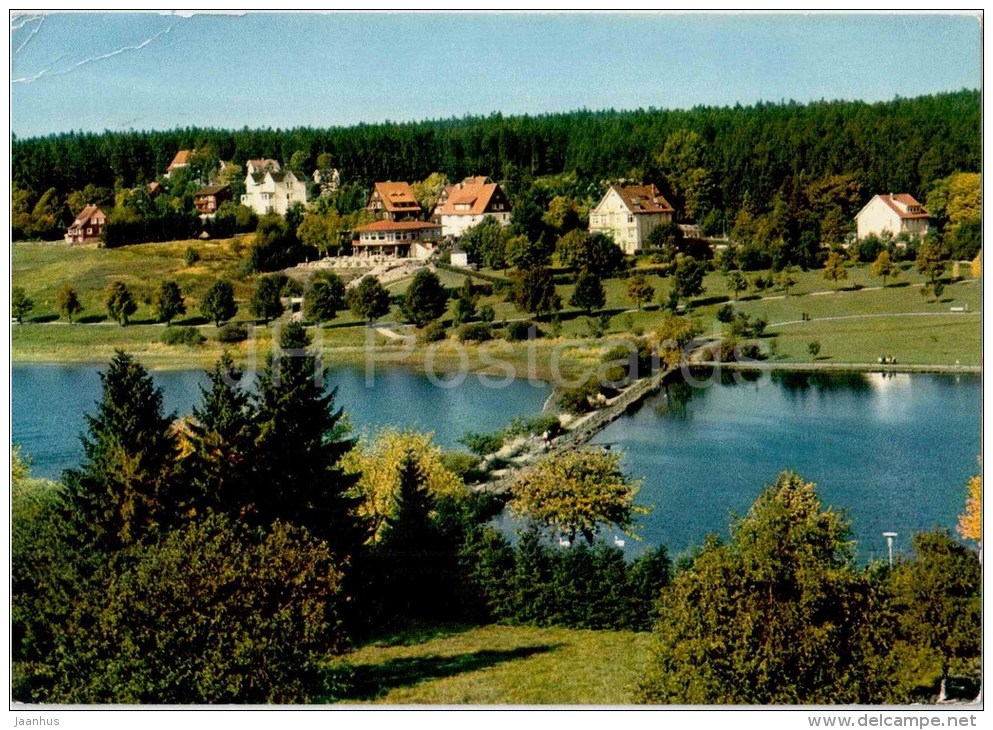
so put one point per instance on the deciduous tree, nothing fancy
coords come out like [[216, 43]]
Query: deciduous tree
[[218, 303], [169, 302], [266, 303], [835, 267], [325, 297], [588, 294], [777, 615], [640, 291], [20, 304], [120, 303], [369, 299], [67, 302], [426, 299], [577, 493]]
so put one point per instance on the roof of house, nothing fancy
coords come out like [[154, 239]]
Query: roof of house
[[907, 200], [643, 199], [396, 226], [471, 192], [259, 177], [211, 190], [85, 214], [397, 196], [154, 187], [182, 159], [264, 164]]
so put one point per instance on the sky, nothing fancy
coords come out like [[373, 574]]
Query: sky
[[90, 71]]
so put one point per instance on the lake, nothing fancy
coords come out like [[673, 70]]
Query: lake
[[49, 403], [895, 451]]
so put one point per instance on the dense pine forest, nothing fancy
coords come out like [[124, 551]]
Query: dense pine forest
[[707, 158]]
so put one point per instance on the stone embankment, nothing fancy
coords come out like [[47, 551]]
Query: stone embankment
[[523, 451]]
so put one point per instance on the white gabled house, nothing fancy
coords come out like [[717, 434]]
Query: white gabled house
[[629, 213], [900, 213], [467, 203], [274, 191]]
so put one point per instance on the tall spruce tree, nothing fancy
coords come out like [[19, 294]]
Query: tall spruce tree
[[222, 435], [300, 442], [121, 491]]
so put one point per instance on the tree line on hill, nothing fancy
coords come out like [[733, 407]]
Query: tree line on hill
[[229, 556], [785, 167]]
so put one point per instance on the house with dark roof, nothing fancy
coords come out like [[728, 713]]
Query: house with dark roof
[[88, 225], [274, 191], [399, 239], [208, 199], [629, 213], [393, 201], [896, 214], [467, 203]]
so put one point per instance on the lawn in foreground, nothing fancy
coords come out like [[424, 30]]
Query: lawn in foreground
[[502, 665]]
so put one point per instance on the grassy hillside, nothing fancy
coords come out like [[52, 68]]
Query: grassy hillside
[[854, 322], [500, 665]]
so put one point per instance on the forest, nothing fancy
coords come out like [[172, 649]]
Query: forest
[[707, 160]]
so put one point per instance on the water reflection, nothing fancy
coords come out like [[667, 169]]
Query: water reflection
[[797, 383]]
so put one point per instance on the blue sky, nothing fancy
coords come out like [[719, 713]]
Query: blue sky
[[148, 71]]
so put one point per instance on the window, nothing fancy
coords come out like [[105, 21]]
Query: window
[[630, 219], [89, 230]]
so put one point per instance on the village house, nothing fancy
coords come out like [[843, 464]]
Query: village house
[[465, 204], [398, 239], [181, 160], [897, 214], [88, 225], [208, 199], [629, 213], [393, 201], [255, 167], [273, 191]]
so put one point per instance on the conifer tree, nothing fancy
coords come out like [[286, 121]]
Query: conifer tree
[[120, 492], [301, 439]]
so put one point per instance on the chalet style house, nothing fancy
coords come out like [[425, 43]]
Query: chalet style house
[[465, 204], [208, 199], [398, 239], [87, 226], [629, 213], [273, 191], [899, 213], [393, 201]]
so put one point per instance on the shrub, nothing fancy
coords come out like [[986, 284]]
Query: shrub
[[486, 313], [433, 332], [518, 331], [482, 443], [579, 400], [191, 256], [189, 336], [213, 613], [231, 333], [475, 332], [725, 314]]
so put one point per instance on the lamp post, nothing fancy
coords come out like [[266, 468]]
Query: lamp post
[[889, 544]]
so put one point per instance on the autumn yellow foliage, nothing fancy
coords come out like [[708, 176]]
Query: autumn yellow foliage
[[379, 460], [971, 521]]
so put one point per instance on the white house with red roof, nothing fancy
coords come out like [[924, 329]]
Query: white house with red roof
[[87, 226], [398, 239], [629, 213], [467, 203], [899, 213]]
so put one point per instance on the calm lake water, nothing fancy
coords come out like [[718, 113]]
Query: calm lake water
[[49, 403], [895, 451]]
